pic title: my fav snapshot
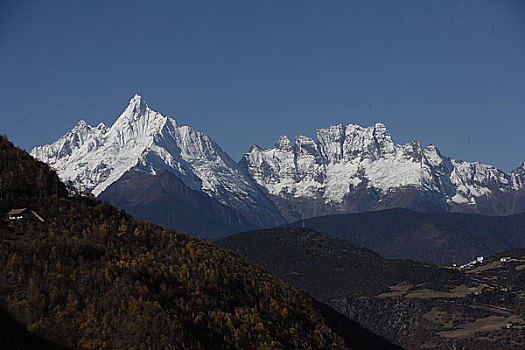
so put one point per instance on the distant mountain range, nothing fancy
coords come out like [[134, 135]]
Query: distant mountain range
[[346, 169]]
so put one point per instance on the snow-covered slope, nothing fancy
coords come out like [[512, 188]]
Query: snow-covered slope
[[141, 139], [347, 160], [93, 158]]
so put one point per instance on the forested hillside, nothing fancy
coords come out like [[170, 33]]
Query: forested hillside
[[329, 267], [22, 179], [91, 276]]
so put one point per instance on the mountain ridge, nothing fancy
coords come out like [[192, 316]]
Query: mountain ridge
[[348, 162], [347, 168]]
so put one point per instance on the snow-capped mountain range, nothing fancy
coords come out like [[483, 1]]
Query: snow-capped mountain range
[[346, 169], [346, 162]]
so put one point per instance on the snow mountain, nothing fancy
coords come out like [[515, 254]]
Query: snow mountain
[[352, 169], [347, 168], [94, 158]]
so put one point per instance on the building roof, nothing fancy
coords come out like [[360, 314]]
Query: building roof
[[16, 211]]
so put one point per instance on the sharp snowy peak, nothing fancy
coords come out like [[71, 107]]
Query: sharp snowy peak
[[141, 139], [93, 158]]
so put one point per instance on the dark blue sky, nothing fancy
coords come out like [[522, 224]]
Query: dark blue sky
[[450, 73]]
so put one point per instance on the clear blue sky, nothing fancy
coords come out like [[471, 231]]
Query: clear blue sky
[[448, 72]]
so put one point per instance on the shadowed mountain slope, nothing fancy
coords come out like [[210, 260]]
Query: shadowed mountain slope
[[437, 238], [166, 200]]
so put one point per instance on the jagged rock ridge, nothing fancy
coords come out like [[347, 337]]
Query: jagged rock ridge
[[351, 168]]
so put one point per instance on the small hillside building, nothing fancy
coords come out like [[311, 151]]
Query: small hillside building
[[23, 214]]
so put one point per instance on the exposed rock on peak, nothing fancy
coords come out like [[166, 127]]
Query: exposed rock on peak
[[283, 143]]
